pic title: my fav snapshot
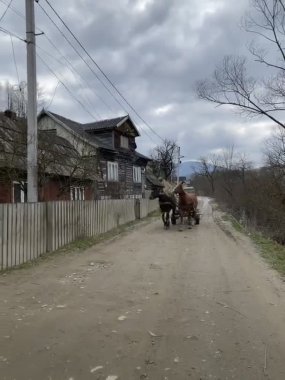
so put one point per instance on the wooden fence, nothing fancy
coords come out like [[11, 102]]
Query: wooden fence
[[147, 206], [28, 230]]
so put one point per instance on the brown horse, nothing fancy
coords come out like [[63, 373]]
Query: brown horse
[[187, 204]]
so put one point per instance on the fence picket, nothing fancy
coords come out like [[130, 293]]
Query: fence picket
[[32, 229]]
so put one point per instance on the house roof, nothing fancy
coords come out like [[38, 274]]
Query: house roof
[[97, 126], [105, 124], [77, 128], [139, 155], [84, 130], [110, 124]]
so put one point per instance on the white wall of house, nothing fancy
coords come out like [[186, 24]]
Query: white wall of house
[[82, 146]]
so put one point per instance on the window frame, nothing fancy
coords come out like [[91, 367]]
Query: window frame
[[137, 174], [23, 196], [112, 171], [124, 142], [77, 193]]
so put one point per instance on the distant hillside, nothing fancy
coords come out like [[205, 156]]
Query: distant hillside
[[187, 168]]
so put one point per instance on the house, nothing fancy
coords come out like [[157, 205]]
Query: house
[[63, 173], [121, 168]]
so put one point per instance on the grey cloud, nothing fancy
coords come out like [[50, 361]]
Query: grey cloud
[[154, 57]]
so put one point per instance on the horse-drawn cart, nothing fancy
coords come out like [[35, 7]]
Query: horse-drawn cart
[[192, 215], [187, 204], [177, 204]]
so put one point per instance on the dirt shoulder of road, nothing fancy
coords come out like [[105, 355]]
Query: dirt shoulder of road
[[272, 252]]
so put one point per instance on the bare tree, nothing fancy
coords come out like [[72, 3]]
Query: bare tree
[[208, 169], [15, 98], [275, 159], [163, 159], [230, 83], [12, 150], [69, 164], [73, 164], [275, 150], [224, 172]]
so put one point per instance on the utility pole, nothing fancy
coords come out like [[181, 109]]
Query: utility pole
[[178, 163], [32, 131]]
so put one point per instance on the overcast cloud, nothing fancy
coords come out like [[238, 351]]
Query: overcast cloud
[[154, 51]]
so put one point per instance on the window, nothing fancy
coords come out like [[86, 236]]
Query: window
[[20, 192], [113, 171], [137, 174], [124, 142], [77, 193]]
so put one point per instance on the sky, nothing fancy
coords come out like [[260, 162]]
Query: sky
[[154, 51]]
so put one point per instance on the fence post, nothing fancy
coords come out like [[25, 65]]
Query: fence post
[[137, 209], [49, 227], [2, 221]]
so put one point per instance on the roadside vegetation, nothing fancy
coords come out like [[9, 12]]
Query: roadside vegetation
[[255, 197], [270, 250]]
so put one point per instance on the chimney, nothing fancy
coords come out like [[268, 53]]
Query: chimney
[[10, 114]]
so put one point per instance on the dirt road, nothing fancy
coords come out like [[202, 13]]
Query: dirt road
[[152, 304]]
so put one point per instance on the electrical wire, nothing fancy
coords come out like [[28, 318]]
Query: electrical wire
[[9, 6], [9, 33], [16, 68], [88, 65], [51, 100], [102, 72], [6, 10], [12, 8], [72, 68], [66, 88], [14, 59], [86, 99], [80, 55]]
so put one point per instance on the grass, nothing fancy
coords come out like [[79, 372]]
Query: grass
[[80, 245], [271, 251], [237, 226]]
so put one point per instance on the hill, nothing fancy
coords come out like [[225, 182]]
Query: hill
[[188, 168]]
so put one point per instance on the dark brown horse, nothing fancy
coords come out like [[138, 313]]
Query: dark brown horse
[[167, 204], [187, 205]]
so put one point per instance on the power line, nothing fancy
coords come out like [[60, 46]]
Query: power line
[[102, 72], [50, 103], [3, 30], [80, 55], [87, 100], [11, 7], [74, 70], [16, 68], [88, 65], [21, 15], [14, 59], [66, 88], [6, 10], [65, 58]]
